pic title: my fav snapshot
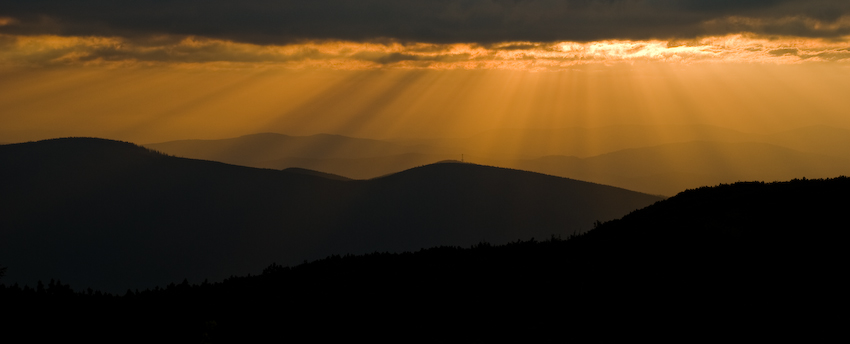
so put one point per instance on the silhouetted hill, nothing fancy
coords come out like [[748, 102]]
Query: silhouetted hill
[[360, 168], [663, 170], [751, 251], [713, 261], [345, 156], [789, 213], [751, 243], [471, 203], [297, 170], [113, 215]]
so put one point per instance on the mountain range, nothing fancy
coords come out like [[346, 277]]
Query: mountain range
[[113, 215], [662, 160]]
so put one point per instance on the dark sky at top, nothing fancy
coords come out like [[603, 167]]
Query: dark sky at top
[[442, 21]]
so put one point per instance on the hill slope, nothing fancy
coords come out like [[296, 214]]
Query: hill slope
[[113, 215], [715, 261]]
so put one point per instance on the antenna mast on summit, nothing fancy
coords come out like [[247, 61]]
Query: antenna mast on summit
[[461, 158]]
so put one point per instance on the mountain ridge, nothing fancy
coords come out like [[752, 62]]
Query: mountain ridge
[[803, 152], [160, 219]]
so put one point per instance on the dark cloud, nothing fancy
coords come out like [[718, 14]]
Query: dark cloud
[[439, 21], [390, 58], [519, 46], [783, 52]]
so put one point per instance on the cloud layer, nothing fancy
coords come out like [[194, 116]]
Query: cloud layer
[[431, 21], [48, 50]]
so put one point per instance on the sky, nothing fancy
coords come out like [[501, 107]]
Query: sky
[[153, 71]]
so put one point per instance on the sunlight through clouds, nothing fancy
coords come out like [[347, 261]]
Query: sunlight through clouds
[[199, 52]]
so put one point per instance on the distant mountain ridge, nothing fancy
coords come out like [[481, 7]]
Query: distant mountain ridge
[[671, 168], [260, 148], [653, 159], [589, 142], [114, 215], [586, 142]]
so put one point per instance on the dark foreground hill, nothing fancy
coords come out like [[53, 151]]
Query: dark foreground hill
[[750, 260], [112, 215]]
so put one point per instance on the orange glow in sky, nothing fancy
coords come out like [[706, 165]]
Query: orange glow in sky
[[166, 88]]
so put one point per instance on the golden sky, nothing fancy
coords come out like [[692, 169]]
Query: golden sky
[[763, 67]]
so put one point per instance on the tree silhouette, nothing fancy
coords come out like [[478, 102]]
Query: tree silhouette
[[2, 271]]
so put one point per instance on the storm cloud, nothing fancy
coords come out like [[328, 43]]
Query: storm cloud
[[433, 21]]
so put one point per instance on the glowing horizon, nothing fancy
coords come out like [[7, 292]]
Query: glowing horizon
[[430, 69], [157, 104]]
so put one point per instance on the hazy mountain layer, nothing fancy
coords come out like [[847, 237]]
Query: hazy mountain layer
[[364, 168], [671, 168], [257, 149], [582, 142], [114, 215], [815, 139], [589, 142], [661, 170], [654, 159]]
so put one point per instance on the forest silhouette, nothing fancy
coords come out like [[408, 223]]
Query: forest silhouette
[[749, 252]]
